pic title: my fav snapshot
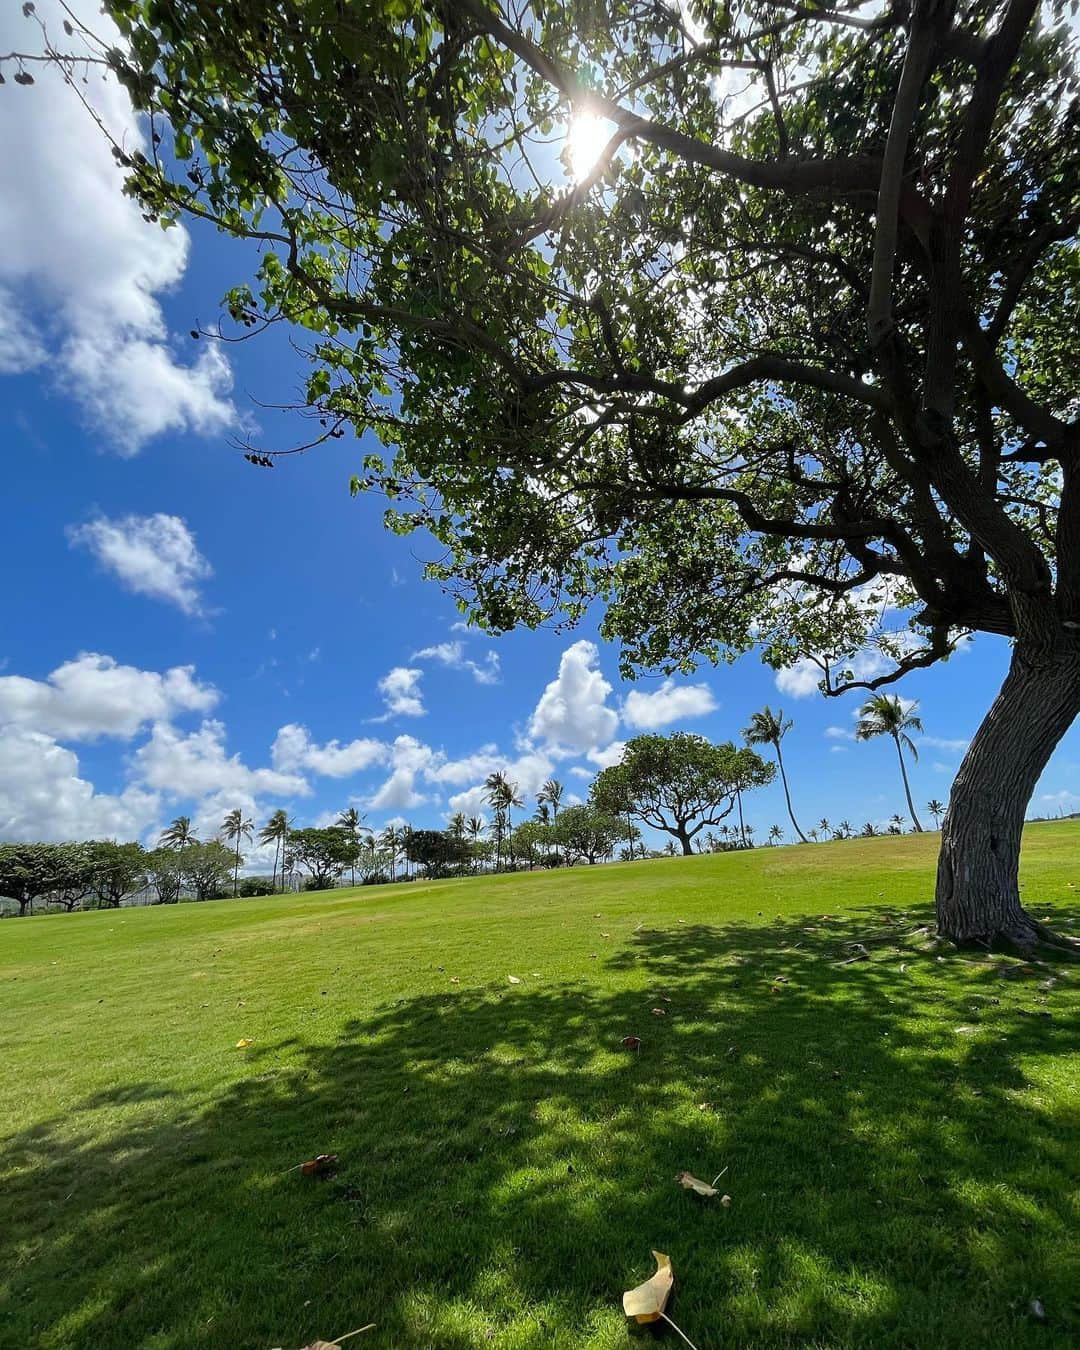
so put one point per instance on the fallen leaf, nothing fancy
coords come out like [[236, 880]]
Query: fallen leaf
[[647, 1302], [513, 979], [659, 1012], [704, 1106], [725, 1200], [318, 1166], [781, 979], [241, 1003], [695, 1184], [244, 1042], [454, 979], [605, 934], [632, 1042], [1036, 1309]]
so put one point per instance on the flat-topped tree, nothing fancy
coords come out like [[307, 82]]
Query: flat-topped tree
[[679, 783], [777, 365]]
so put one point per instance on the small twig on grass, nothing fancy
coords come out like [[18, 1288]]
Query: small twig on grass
[[717, 1177], [370, 1327], [683, 1334]]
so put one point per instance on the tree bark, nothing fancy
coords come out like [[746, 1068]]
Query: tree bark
[[686, 840], [978, 894]]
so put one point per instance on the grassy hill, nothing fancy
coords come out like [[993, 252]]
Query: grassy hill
[[898, 1134]]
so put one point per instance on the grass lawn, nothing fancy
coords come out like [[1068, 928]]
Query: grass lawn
[[900, 1134]]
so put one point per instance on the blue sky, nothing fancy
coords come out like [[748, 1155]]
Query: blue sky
[[185, 633]]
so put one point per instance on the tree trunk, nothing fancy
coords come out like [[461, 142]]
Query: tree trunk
[[742, 827], [907, 789], [686, 841], [787, 794], [978, 895]]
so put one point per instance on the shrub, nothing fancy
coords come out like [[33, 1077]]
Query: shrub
[[255, 886]]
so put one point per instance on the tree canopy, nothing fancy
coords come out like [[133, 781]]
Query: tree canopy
[[790, 365], [679, 783]]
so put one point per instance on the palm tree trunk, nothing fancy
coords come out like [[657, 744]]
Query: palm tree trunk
[[630, 834], [742, 826], [787, 794], [907, 788], [236, 869]]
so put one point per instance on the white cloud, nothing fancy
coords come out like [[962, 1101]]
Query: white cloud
[[42, 796], [572, 711], [195, 765], [957, 745], [579, 771], [293, 750], [94, 696], [21, 348], [610, 755], [838, 749], [452, 654], [1064, 800], [400, 689], [471, 802], [398, 793], [669, 703], [77, 252], [800, 680], [840, 734], [150, 555]]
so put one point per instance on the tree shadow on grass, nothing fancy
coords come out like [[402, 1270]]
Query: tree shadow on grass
[[897, 1164]]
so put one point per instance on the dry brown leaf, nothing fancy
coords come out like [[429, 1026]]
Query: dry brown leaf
[[244, 1042], [632, 1042], [725, 1200], [647, 1302], [319, 1166], [659, 1012], [695, 1184]]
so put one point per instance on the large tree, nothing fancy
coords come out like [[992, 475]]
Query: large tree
[[324, 853], [790, 364], [678, 783]]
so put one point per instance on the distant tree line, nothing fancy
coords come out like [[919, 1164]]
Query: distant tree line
[[682, 785]]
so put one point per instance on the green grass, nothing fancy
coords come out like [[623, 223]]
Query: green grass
[[899, 1134]]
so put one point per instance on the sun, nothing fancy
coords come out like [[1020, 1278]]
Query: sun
[[586, 137]]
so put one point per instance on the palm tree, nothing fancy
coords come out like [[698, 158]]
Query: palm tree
[[274, 832], [457, 825], [775, 835], [769, 728], [845, 829], [896, 824], [352, 822], [475, 827], [502, 795], [391, 841], [823, 827], [178, 835], [885, 715], [405, 833], [869, 830], [937, 810], [235, 828], [552, 794]]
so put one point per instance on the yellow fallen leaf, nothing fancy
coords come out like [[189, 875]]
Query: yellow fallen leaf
[[513, 979], [647, 1302], [244, 1042], [693, 1183]]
